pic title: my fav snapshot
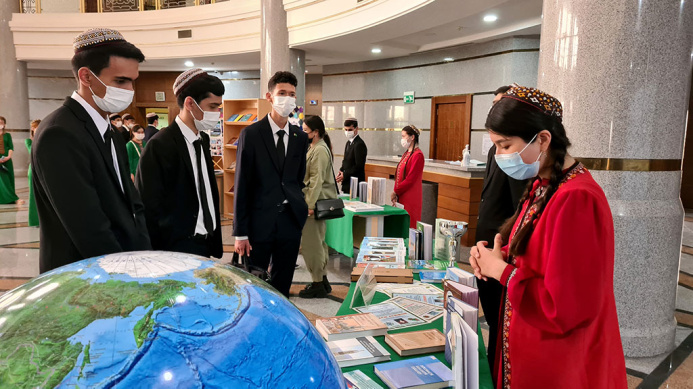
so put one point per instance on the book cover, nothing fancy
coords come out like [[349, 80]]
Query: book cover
[[411, 373], [412, 245], [233, 118], [461, 292], [432, 276], [461, 276], [238, 118], [350, 326], [253, 117], [416, 342], [245, 117], [426, 239], [358, 351], [359, 380], [470, 316]]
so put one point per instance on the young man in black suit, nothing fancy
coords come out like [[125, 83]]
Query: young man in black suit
[[355, 153], [499, 199], [176, 175], [86, 201], [269, 209], [152, 126]]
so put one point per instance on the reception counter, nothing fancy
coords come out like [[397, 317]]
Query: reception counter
[[459, 188]]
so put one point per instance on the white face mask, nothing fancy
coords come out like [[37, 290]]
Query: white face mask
[[284, 105], [115, 99], [2, 127], [209, 119], [513, 165], [405, 143], [349, 135], [131, 126], [139, 136], [118, 124]]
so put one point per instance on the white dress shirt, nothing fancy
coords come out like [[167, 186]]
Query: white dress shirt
[[275, 129], [101, 125], [190, 137]]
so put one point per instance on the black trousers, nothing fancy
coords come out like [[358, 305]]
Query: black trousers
[[279, 255], [490, 293], [194, 245]]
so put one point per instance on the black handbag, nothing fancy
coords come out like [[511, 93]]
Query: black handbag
[[327, 209], [244, 264]]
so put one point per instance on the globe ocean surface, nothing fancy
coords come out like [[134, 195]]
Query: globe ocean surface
[[157, 319]]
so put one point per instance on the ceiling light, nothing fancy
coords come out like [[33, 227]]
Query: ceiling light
[[189, 64], [376, 50], [490, 18], [448, 59], [234, 72], [306, 71]]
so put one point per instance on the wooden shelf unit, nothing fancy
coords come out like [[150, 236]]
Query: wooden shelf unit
[[259, 107]]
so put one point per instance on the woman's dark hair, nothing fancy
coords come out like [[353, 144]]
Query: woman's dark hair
[[98, 58], [510, 117], [412, 130], [315, 123], [199, 88], [134, 130]]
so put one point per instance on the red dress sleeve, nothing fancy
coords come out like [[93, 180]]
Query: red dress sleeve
[[411, 174], [561, 283]]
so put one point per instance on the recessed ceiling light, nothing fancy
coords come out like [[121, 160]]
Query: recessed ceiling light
[[234, 72], [306, 71], [490, 18], [189, 64], [448, 59], [376, 50]]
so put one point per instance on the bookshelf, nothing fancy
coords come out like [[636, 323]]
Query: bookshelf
[[232, 130]]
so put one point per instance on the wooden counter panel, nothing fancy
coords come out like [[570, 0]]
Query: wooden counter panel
[[379, 169], [458, 205], [463, 182]]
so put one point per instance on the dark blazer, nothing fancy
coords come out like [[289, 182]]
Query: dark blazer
[[499, 199], [262, 186], [82, 210], [149, 132], [354, 162], [166, 183]]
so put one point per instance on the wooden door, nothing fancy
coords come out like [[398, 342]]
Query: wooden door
[[687, 174], [450, 126]]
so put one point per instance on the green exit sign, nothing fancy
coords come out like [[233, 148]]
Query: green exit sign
[[408, 97]]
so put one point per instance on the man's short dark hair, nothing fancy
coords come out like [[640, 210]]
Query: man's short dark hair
[[99, 57], [114, 116], [502, 89], [351, 123], [281, 78], [152, 119], [127, 116], [200, 87]]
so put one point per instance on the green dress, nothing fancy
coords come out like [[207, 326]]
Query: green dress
[[134, 152], [33, 213], [7, 193]]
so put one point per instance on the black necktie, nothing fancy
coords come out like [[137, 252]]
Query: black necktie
[[206, 214], [281, 150]]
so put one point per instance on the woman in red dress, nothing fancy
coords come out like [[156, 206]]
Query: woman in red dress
[[408, 175], [555, 257]]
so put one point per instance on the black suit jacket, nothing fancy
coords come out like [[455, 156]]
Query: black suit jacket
[[262, 185], [354, 162], [499, 199], [149, 132], [82, 210], [166, 183]]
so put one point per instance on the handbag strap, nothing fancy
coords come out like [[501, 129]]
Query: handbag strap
[[332, 170]]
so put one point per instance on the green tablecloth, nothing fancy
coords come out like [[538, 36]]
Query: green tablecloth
[[340, 234], [485, 381]]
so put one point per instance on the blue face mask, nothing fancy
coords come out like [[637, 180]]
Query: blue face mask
[[513, 165]]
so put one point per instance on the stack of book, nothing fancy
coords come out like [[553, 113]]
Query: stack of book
[[416, 342], [382, 252], [358, 207], [377, 191], [462, 343], [350, 338]]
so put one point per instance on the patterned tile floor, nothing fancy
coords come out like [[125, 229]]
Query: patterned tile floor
[[19, 262]]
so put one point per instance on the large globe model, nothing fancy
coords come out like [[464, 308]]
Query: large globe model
[[157, 319]]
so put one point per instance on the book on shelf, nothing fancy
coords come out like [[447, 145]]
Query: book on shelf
[[426, 239], [461, 292], [358, 351], [462, 276], [252, 118], [245, 117], [432, 276], [357, 206], [233, 118], [238, 118], [232, 166], [377, 191], [415, 373], [357, 379], [350, 326], [416, 342], [385, 275]]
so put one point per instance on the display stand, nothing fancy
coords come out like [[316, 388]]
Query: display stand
[[232, 130]]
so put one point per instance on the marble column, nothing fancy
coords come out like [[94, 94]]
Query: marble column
[[622, 70], [298, 67], [274, 45], [14, 97]]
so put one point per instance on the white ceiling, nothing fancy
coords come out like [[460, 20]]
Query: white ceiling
[[443, 23]]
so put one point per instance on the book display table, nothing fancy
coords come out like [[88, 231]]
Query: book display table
[[485, 381], [341, 233]]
